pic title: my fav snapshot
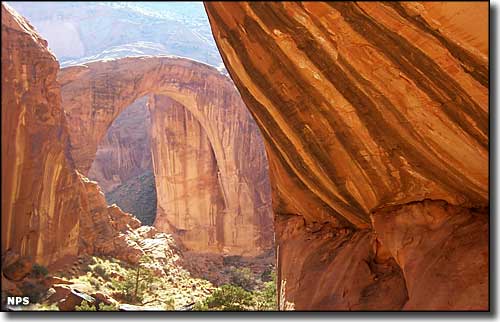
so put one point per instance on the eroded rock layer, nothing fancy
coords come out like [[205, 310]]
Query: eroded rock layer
[[36, 169], [236, 194], [364, 106]]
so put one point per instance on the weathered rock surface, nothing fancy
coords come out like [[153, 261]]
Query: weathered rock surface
[[15, 267], [96, 93], [73, 299], [364, 106], [104, 229], [41, 192], [442, 251], [137, 196], [190, 201], [323, 267]]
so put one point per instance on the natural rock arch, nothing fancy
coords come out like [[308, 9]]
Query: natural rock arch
[[94, 94]]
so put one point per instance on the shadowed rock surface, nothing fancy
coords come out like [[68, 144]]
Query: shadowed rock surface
[[366, 106], [123, 163]]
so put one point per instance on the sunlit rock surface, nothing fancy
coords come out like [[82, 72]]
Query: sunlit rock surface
[[41, 191], [365, 106]]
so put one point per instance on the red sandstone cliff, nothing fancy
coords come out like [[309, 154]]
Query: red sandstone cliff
[[375, 118], [375, 122], [49, 211], [40, 189]]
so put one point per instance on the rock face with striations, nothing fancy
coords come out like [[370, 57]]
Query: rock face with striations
[[49, 210], [375, 118], [213, 189], [35, 164], [186, 172]]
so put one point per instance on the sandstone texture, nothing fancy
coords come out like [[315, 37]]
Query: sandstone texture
[[41, 191], [137, 196], [363, 107], [50, 212], [208, 157]]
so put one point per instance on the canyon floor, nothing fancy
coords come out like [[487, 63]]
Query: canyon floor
[[164, 279]]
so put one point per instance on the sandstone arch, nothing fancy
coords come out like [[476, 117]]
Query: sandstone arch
[[94, 94]]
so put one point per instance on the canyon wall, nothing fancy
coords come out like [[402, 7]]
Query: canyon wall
[[36, 167], [375, 119], [50, 212], [96, 93]]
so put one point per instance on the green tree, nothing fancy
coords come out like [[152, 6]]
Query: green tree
[[243, 277], [227, 298], [85, 306], [39, 270], [135, 283], [266, 299]]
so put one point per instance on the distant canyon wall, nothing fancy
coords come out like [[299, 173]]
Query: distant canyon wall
[[375, 118], [228, 210], [125, 150]]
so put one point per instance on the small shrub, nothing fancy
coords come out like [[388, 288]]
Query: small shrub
[[95, 283], [85, 306], [35, 290], [266, 299], [100, 270], [231, 260], [126, 286], [136, 282], [107, 307], [169, 304], [39, 270], [266, 275]]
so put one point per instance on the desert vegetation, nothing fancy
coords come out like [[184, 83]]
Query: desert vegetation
[[246, 293]]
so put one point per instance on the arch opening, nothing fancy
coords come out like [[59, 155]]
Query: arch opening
[[123, 163]]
